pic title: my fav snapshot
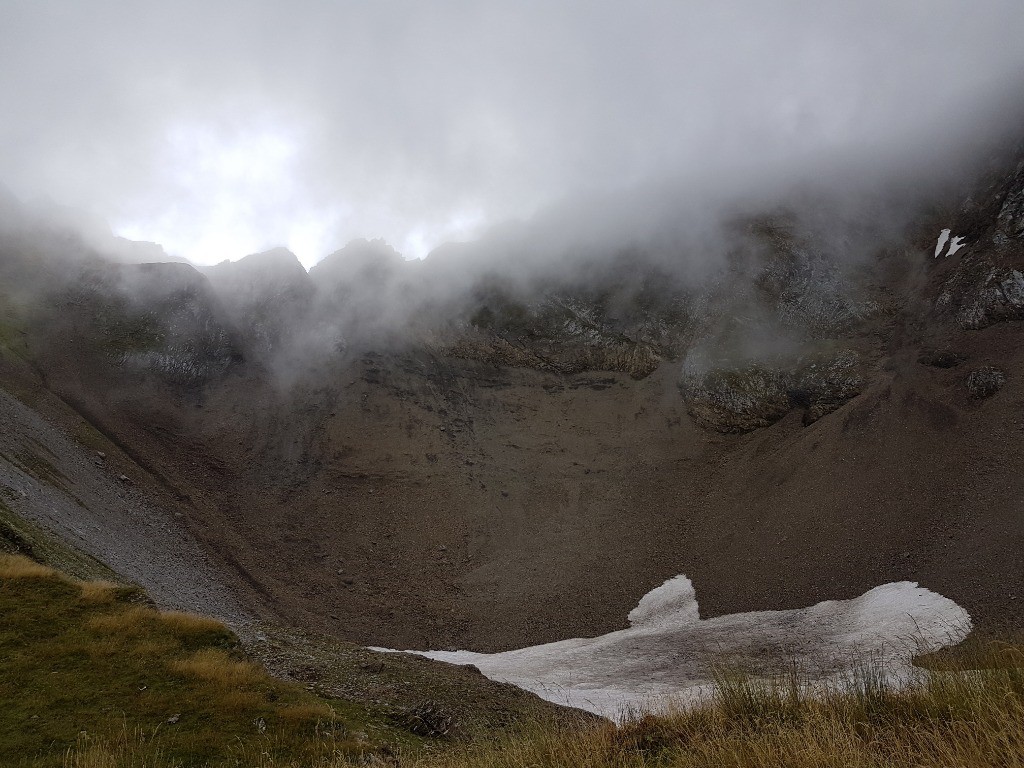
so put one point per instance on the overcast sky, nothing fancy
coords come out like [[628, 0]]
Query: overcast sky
[[220, 129]]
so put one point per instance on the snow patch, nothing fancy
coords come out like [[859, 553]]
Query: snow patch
[[667, 655], [955, 244]]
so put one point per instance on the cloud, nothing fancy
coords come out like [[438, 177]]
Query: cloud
[[224, 128]]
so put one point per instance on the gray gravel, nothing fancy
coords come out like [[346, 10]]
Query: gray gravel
[[47, 478]]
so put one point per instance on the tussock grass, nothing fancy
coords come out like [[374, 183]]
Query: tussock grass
[[214, 666], [982, 650], [100, 591], [88, 678], [20, 567], [964, 716], [135, 620], [185, 624]]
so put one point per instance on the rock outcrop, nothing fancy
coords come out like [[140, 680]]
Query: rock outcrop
[[161, 319], [743, 398], [987, 285], [985, 381]]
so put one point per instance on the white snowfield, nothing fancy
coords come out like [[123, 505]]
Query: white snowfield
[[667, 655]]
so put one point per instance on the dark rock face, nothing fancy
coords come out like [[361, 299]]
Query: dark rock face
[[736, 400], [601, 354], [757, 395], [987, 285], [981, 294], [985, 382], [1010, 221], [159, 319], [565, 334], [825, 382], [805, 288]]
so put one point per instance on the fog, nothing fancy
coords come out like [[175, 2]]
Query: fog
[[229, 128]]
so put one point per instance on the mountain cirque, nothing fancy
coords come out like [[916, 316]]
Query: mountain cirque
[[370, 452]]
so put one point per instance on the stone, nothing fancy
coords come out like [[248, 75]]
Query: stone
[[985, 382]]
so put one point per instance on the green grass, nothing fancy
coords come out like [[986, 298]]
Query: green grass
[[86, 671]]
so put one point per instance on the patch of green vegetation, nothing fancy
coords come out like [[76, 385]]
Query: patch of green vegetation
[[81, 665], [40, 468], [123, 329], [12, 328], [87, 435]]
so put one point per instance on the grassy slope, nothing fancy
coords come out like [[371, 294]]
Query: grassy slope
[[82, 662], [971, 714]]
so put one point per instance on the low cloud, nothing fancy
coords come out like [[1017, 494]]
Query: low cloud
[[223, 129]]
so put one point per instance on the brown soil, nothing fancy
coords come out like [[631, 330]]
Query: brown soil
[[419, 502], [411, 499]]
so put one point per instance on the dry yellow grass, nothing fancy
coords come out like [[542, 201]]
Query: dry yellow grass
[[181, 623], [99, 591], [232, 701], [130, 622], [212, 665], [87, 659], [964, 716], [20, 567]]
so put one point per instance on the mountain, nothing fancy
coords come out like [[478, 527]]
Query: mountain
[[465, 455]]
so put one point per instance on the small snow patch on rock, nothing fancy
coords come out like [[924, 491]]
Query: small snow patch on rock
[[955, 243]]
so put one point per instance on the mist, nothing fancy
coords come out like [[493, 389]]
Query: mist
[[218, 130]]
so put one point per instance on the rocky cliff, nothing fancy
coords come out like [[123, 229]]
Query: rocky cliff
[[368, 451]]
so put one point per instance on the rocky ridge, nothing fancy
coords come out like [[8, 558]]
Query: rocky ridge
[[498, 464]]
